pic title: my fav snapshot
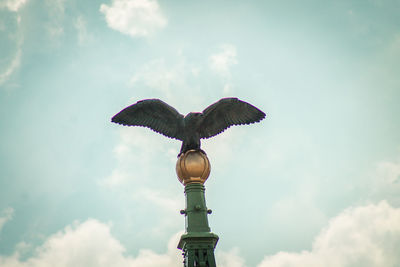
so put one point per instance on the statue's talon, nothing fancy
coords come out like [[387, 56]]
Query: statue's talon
[[198, 149]]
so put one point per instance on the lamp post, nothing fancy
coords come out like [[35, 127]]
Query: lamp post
[[198, 242]]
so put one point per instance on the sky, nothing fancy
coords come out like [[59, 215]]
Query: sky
[[317, 183]]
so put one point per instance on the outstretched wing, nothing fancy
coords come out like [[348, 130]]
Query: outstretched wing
[[154, 114], [225, 113]]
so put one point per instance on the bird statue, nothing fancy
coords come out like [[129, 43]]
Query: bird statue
[[164, 119]]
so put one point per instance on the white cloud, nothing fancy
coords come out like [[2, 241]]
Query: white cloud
[[134, 17], [361, 236], [134, 158], [90, 244], [80, 25], [185, 82], [6, 215], [293, 206], [12, 67], [385, 181], [393, 49], [220, 149], [389, 172], [164, 79], [229, 259], [178, 84], [222, 61], [13, 5], [56, 10], [169, 203], [138, 181]]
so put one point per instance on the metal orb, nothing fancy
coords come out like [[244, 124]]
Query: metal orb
[[193, 167]]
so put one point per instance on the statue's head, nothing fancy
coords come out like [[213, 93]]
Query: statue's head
[[193, 115]]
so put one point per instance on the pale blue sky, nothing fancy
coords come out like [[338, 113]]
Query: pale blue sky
[[321, 173]]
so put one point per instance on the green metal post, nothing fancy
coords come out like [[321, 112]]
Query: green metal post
[[198, 243]]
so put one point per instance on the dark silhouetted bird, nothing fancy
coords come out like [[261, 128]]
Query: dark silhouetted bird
[[164, 119]]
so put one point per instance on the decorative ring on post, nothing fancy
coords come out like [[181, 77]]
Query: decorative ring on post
[[193, 166]]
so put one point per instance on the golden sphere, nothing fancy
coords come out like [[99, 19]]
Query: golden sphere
[[193, 166]]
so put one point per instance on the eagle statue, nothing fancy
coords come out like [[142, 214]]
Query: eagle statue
[[164, 119]]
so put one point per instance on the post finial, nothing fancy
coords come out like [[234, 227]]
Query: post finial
[[193, 166]]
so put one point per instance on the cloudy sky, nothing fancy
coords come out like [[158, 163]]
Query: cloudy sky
[[315, 184]]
